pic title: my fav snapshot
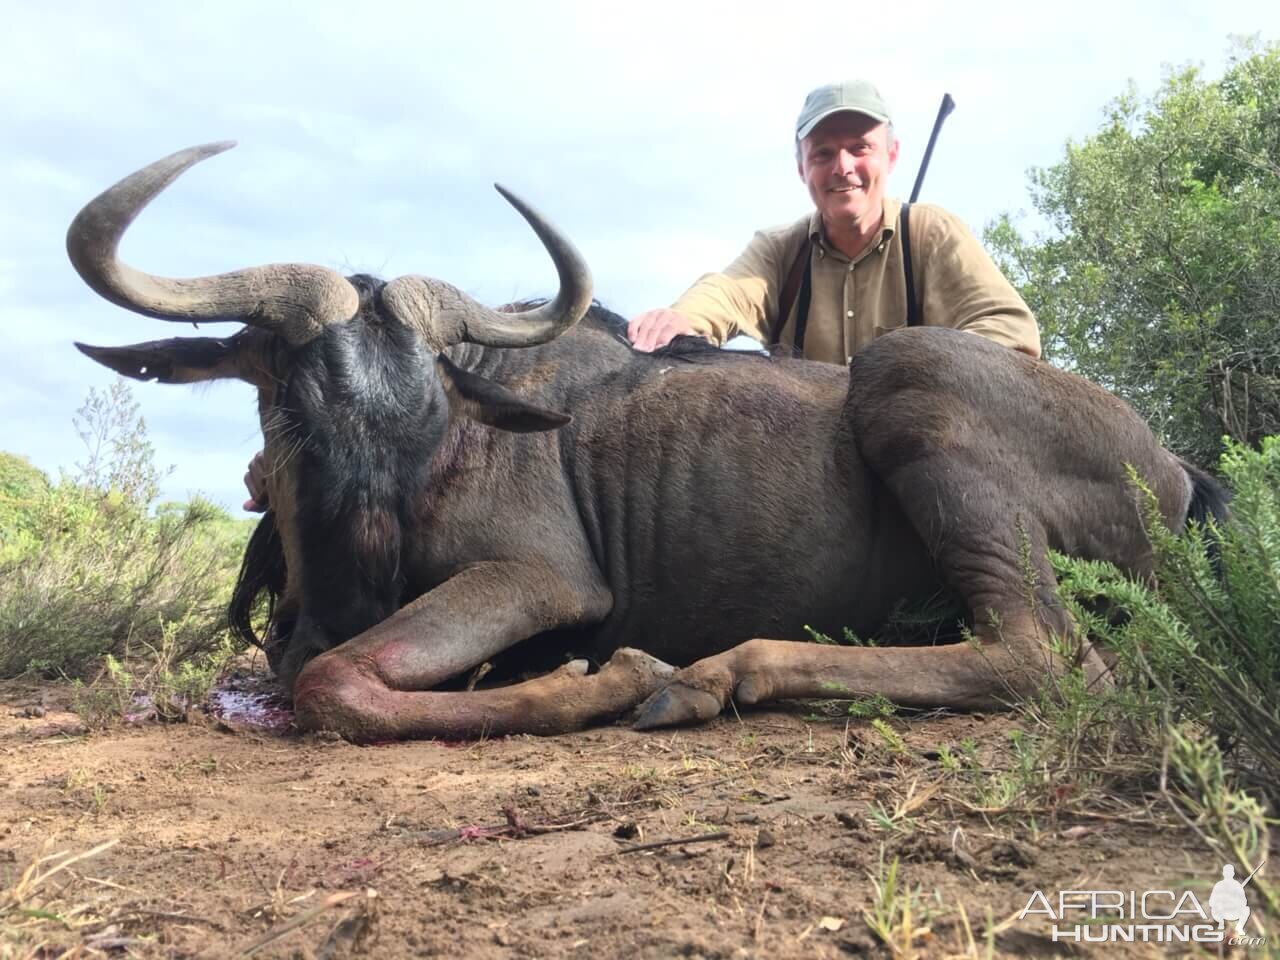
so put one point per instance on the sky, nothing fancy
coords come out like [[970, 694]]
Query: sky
[[658, 136]]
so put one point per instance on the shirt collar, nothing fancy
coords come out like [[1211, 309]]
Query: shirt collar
[[887, 229]]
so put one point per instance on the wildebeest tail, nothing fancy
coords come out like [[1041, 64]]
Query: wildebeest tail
[[262, 571], [1209, 499]]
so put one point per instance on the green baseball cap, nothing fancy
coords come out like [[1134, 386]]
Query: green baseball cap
[[854, 96]]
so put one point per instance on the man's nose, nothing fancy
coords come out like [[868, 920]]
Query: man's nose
[[844, 163]]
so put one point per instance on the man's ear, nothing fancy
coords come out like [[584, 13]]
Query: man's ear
[[245, 356], [894, 146], [485, 402]]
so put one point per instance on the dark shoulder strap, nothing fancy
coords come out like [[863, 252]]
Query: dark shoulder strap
[[797, 285], [914, 319], [802, 308]]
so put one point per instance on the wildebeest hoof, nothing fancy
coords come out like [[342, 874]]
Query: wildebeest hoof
[[675, 704], [752, 690], [646, 670], [574, 668]]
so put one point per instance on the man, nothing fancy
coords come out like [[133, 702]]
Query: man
[[853, 246]]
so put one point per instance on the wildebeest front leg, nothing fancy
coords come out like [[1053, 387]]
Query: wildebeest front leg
[[376, 685]]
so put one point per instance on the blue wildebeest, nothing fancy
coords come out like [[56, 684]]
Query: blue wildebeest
[[451, 483]]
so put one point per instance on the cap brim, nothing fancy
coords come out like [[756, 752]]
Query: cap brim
[[804, 131]]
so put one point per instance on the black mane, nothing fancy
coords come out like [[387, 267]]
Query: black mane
[[686, 349]]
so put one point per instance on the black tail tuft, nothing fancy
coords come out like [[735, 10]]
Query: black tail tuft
[[1209, 499]]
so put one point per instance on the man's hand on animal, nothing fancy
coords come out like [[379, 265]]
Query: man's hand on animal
[[255, 481], [653, 329]]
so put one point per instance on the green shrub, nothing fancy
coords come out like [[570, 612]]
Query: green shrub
[[166, 682], [1201, 646], [89, 567], [21, 485]]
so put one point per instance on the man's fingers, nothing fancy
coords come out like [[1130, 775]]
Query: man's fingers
[[661, 335], [648, 339], [640, 330], [255, 483], [656, 328]]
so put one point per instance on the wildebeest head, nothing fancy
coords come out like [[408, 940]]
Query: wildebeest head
[[355, 390]]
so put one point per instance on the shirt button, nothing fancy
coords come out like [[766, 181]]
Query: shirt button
[[848, 313], [880, 249], [849, 359]]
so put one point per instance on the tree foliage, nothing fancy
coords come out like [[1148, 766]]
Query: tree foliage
[[1160, 274], [91, 566]]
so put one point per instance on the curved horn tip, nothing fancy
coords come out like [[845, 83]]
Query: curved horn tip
[[97, 354], [511, 198], [206, 150]]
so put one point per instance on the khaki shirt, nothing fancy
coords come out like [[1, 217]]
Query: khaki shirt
[[853, 302]]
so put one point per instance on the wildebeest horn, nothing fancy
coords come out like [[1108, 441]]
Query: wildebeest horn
[[446, 315], [295, 300]]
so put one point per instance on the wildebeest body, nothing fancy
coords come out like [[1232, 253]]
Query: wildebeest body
[[435, 507], [712, 502]]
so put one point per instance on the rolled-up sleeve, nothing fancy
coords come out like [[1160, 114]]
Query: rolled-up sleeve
[[963, 288], [741, 299]]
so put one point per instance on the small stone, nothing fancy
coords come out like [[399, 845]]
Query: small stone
[[764, 839]]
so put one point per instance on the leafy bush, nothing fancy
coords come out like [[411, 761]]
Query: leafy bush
[[1157, 276], [1199, 647], [20, 485], [1194, 719], [89, 567], [163, 683]]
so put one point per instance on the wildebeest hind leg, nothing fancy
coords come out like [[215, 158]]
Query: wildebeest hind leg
[[987, 542]]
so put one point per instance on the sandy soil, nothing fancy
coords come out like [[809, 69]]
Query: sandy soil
[[232, 840]]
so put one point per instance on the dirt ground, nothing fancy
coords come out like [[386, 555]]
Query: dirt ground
[[230, 839]]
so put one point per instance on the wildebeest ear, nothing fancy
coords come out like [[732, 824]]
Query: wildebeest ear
[[485, 402], [190, 359]]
